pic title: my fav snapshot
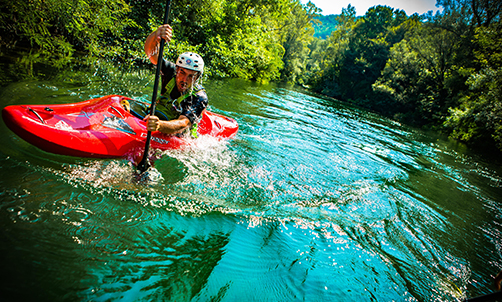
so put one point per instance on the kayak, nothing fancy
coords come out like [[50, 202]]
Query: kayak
[[100, 128]]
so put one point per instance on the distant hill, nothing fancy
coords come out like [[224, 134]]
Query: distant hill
[[328, 24]]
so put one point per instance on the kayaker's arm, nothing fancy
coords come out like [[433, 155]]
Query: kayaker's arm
[[153, 123], [152, 41]]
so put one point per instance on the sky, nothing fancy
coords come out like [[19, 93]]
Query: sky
[[334, 7]]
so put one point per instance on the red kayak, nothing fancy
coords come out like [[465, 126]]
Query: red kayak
[[100, 128]]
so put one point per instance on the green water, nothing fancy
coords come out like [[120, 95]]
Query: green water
[[312, 201]]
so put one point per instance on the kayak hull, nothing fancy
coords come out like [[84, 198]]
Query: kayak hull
[[100, 128]]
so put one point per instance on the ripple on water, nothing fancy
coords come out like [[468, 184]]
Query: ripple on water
[[405, 243], [292, 258]]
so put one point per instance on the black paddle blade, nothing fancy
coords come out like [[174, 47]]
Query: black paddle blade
[[143, 165]]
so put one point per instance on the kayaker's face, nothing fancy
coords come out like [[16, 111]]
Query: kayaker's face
[[185, 78]]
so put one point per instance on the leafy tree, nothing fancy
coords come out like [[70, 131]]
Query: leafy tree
[[59, 28], [242, 41], [478, 118], [446, 73], [357, 53], [296, 34], [416, 74], [245, 38], [473, 12], [327, 57]]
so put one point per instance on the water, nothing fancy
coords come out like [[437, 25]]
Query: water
[[312, 201]]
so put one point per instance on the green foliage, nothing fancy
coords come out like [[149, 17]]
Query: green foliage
[[246, 39], [416, 74], [327, 56], [59, 28], [253, 59], [251, 39], [474, 13], [440, 71], [357, 53], [478, 118], [488, 42], [296, 35]]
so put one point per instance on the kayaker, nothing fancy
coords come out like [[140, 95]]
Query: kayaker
[[183, 98]]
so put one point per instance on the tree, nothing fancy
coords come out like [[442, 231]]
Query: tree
[[60, 27], [296, 34], [478, 118], [474, 12], [241, 40], [327, 57], [357, 53], [417, 72]]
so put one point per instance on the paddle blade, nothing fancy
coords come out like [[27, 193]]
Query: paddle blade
[[143, 165]]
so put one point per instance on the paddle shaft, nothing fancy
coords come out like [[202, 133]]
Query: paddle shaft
[[143, 165]]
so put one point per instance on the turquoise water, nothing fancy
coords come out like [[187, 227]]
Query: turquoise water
[[311, 201]]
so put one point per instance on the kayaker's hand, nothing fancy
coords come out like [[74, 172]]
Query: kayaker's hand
[[153, 41], [165, 32], [152, 123]]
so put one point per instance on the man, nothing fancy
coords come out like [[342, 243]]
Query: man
[[183, 100]]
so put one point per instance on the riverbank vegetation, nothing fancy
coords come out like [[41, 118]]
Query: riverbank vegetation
[[441, 71]]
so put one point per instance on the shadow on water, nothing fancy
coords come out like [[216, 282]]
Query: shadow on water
[[312, 200]]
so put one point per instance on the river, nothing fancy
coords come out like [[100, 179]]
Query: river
[[313, 200]]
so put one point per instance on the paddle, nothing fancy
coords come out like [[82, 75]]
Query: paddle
[[143, 164]]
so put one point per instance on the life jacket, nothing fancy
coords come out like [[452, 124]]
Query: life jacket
[[169, 109]]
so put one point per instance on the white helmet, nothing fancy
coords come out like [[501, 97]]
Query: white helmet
[[191, 60]]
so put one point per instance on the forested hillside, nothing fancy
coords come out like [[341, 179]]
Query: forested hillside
[[441, 71], [324, 25]]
